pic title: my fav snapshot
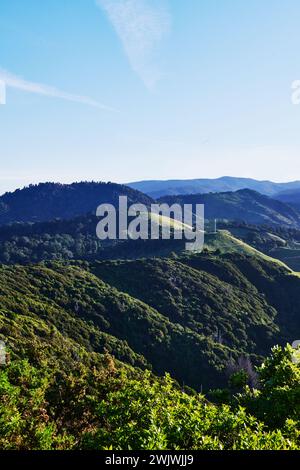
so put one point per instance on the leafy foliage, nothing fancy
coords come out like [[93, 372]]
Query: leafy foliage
[[277, 402], [111, 408]]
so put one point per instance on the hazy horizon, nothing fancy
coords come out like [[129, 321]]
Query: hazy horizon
[[12, 188]]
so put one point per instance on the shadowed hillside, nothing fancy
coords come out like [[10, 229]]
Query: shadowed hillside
[[244, 205], [48, 201], [187, 316]]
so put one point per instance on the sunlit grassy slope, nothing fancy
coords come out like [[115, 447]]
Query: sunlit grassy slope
[[224, 241]]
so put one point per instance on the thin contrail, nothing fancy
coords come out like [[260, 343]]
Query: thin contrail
[[14, 81]]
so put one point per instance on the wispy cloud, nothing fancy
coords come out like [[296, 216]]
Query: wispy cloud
[[19, 83], [141, 25]]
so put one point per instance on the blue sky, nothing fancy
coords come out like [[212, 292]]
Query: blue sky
[[124, 90]]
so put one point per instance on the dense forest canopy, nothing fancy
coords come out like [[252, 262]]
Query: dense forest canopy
[[140, 345]]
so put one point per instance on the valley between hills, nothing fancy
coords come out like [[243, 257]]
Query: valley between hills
[[139, 344]]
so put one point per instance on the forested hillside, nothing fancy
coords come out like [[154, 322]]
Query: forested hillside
[[69, 301], [49, 201], [243, 205], [26, 243], [188, 316], [61, 388], [73, 239], [91, 328]]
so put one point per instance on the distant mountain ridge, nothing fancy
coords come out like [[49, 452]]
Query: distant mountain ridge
[[47, 202], [158, 188], [243, 205], [291, 196]]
